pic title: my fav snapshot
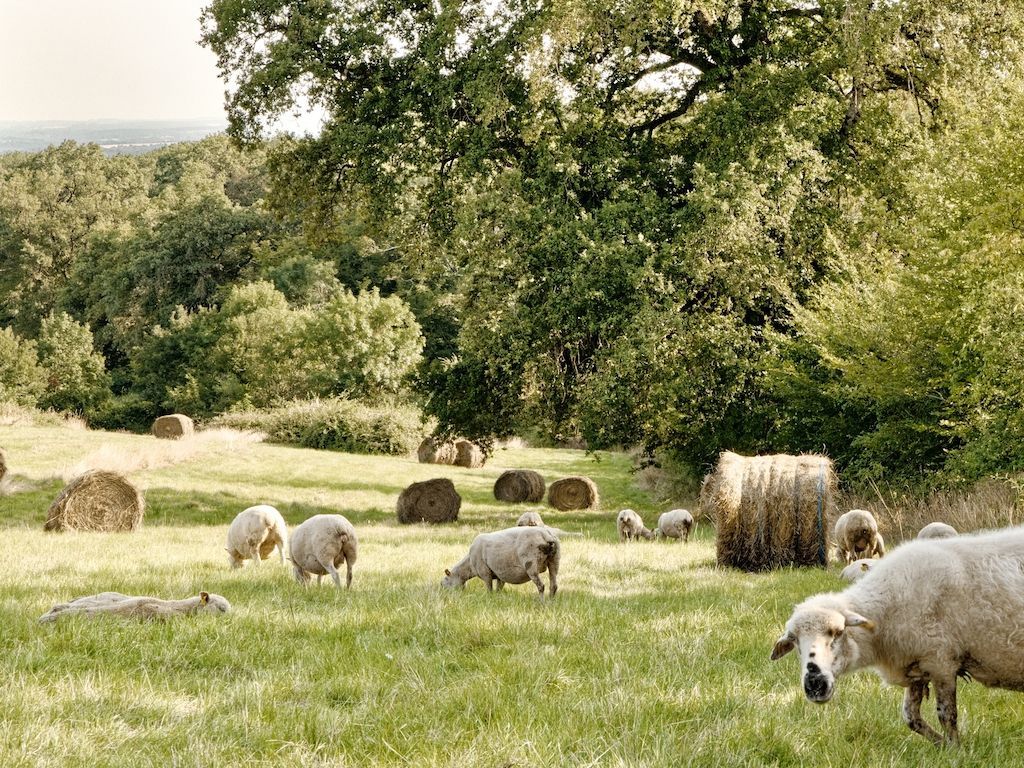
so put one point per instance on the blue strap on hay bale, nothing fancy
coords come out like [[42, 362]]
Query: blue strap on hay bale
[[821, 521]]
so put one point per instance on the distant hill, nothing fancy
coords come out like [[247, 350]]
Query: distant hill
[[116, 137]]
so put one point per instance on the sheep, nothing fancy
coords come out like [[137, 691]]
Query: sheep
[[857, 569], [937, 531], [137, 607], [530, 518], [675, 524], [320, 544], [510, 556], [932, 611], [254, 533], [857, 536], [631, 526]]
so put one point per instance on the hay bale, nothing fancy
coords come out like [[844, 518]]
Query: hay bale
[[770, 511], [173, 426], [573, 493], [434, 451], [97, 501], [518, 485], [468, 454], [3, 463], [431, 501]]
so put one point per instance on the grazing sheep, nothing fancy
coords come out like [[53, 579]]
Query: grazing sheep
[[320, 544], [530, 518], [675, 524], [857, 536], [937, 531], [857, 569], [254, 533], [137, 607], [932, 611], [511, 556], [631, 526]]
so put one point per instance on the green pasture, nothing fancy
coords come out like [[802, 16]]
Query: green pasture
[[650, 655]]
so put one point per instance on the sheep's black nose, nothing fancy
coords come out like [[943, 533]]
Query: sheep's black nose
[[816, 685]]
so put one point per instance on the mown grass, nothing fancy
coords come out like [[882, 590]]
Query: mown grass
[[649, 656]]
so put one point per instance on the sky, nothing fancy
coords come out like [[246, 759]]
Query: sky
[[106, 59]]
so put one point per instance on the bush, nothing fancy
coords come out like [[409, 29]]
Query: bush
[[337, 424], [130, 411], [22, 381], [76, 377]]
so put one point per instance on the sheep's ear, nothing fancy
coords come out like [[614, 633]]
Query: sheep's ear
[[447, 572], [865, 567], [204, 598], [783, 645], [856, 620]]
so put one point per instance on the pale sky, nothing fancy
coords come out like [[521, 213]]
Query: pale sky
[[118, 59]]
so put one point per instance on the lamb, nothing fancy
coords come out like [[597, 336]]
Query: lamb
[[937, 531], [631, 526], [675, 524], [137, 607], [254, 533], [320, 544], [510, 556], [530, 518], [932, 611], [857, 536], [857, 569]]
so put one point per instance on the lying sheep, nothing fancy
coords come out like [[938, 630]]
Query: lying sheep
[[857, 536], [675, 524], [320, 544], [137, 607], [932, 611], [254, 533], [511, 556], [937, 531], [631, 526], [530, 518], [857, 569]]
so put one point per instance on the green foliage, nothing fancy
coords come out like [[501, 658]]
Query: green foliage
[[22, 380], [76, 379], [129, 411], [337, 424]]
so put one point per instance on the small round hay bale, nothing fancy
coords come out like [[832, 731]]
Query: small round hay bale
[[430, 501], [97, 501], [434, 451], [770, 511], [518, 485], [173, 426], [3, 463], [573, 493], [468, 454]]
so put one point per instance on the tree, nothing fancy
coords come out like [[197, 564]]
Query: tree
[[22, 381], [76, 379]]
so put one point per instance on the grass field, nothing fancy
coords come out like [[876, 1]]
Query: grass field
[[648, 656]]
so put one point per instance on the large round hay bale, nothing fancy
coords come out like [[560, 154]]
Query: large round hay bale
[[431, 501], [517, 485], [770, 511], [468, 454], [3, 463], [97, 501], [573, 493], [173, 426], [434, 451]]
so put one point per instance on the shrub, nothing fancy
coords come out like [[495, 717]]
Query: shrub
[[22, 380], [76, 377], [130, 411], [337, 424]]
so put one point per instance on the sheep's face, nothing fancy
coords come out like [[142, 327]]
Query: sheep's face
[[452, 581], [827, 648], [213, 603]]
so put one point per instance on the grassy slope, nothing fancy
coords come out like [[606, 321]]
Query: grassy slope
[[649, 656]]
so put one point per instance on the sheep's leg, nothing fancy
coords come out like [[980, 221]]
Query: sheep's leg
[[501, 585], [534, 574], [912, 711], [329, 567], [945, 705], [553, 576], [301, 576], [348, 573]]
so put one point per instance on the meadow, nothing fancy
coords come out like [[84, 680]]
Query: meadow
[[650, 655]]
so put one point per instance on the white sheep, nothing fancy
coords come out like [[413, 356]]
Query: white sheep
[[932, 611], [937, 531], [631, 526], [254, 533], [530, 518], [320, 544], [675, 524], [511, 556], [857, 569], [857, 536], [137, 607]]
